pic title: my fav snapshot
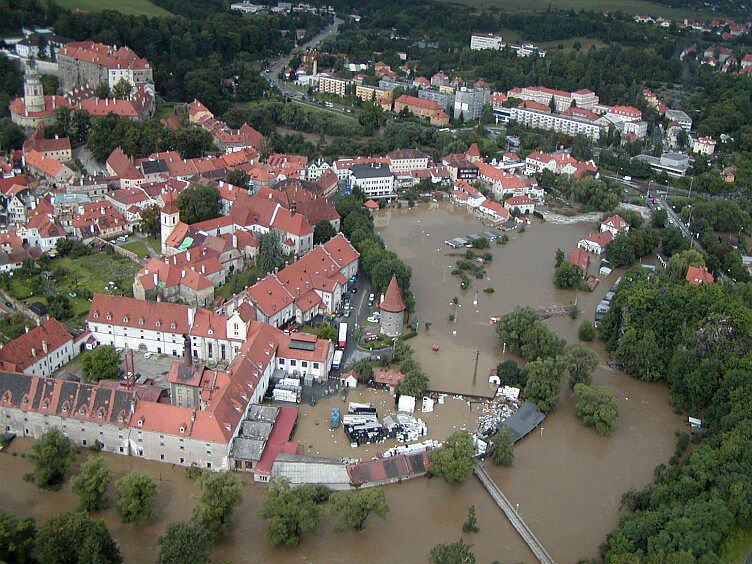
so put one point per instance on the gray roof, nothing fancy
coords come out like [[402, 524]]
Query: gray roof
[[244, 448], [154, 167], [371, 170], [522, 421]]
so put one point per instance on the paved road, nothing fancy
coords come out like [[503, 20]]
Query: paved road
[[277, 65]]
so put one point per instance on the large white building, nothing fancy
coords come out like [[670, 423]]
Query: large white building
[[586, 99], [332, 85], [407, 160], [479, 41], [568, 124], [375, 179]]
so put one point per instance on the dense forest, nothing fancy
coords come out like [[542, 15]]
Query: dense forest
[[698, 340]]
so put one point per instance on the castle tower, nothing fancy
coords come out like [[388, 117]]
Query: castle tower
[[169, 216], [33, 91], [392, 310]]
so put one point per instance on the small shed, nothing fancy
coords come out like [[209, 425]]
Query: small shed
[[348, 380], [406, 404], [493, 378]]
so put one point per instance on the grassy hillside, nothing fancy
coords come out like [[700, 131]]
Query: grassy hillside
[[628, 6], [129, 7]]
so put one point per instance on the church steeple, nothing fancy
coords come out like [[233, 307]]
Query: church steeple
[[33, 90]]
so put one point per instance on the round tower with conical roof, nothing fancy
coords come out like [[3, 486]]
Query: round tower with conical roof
[[392, 310]]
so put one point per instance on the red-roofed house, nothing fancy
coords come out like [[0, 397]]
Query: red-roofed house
[[580, 258], [58, 149], [121, 165], [40, 351], [520, 204], [387, 379], [615, 224], [699, 275], [596, 243], [45, 167]]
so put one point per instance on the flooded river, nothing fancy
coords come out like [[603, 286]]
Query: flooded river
[[567, 480]]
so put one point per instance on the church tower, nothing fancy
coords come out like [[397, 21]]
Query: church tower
[[33, 91], [169, 216]]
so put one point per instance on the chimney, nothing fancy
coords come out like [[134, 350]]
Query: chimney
[[44, 347], [34, 352], [234, 241], [27, 328], [182, 273], [156, 278], [203, 269], [188, 256]]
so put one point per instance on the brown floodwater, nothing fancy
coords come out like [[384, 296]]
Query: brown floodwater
[[567, 480]]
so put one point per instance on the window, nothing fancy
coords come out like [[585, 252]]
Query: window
[[281, 361], [304, 364], [83, 441], [140, 452], [315, 365], [208, 465], [121, 449], [161, 456], [182, 460], [293, 362]]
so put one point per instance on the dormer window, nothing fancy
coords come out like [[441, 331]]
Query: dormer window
[[158, 323], [182, 429], [125, 319], [140, 320], [108, 317], [140, 422], [96, 315], [65, 407], [211, 331], [173, 325]]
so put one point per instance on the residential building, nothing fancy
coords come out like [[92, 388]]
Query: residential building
[[704, 146], [699, 275], [596, 243], [375, 179], [533, 114], [47, 168], [580, 258], [469, 102], [40, 351], [459, 167], [372, 93], [616, 225], [333, 85], [585, 99], [520, 204], [558, 163], [480, 41], [681, 118], [443, 99], [58, 149], [407, 160]]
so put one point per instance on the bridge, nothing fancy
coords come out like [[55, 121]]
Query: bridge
[[524, 531]]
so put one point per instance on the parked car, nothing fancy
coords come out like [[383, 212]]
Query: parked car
[[353, 290], [347, 313], [373, 319], [148, 355]]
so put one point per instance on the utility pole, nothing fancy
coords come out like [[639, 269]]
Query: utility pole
[[475, 372]]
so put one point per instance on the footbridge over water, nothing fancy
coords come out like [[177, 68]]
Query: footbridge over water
[[524, 531]]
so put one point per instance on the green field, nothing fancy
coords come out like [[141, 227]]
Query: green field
[[628, 6], [137, 247], [128, 7]]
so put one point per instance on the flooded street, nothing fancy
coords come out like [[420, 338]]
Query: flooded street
[[567, 480]]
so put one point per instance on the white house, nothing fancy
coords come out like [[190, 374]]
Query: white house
[[596, 243], [704, 146], [522, 204], [375, 179], [615, 224], [39, 352]]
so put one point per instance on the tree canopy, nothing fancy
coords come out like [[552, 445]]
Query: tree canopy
[[197, 203], [220, 495], [91, 484], [76, 537], [184, 543], [17, 538], [451, 553], [290, 512], [597, 407], [351, 509], [270, 252], [454, 460], [51, 454], [323, 231], [100, 364], [501, 451], [135, 497]]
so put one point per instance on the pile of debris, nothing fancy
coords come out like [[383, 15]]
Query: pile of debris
[[506, 402], [412, 449], [362, 425], [404, 428]]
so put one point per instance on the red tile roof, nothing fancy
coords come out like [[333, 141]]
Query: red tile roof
[[392, 301], [417, 102], [698, 275], [579, 258], [137, 314], [28, 349]]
